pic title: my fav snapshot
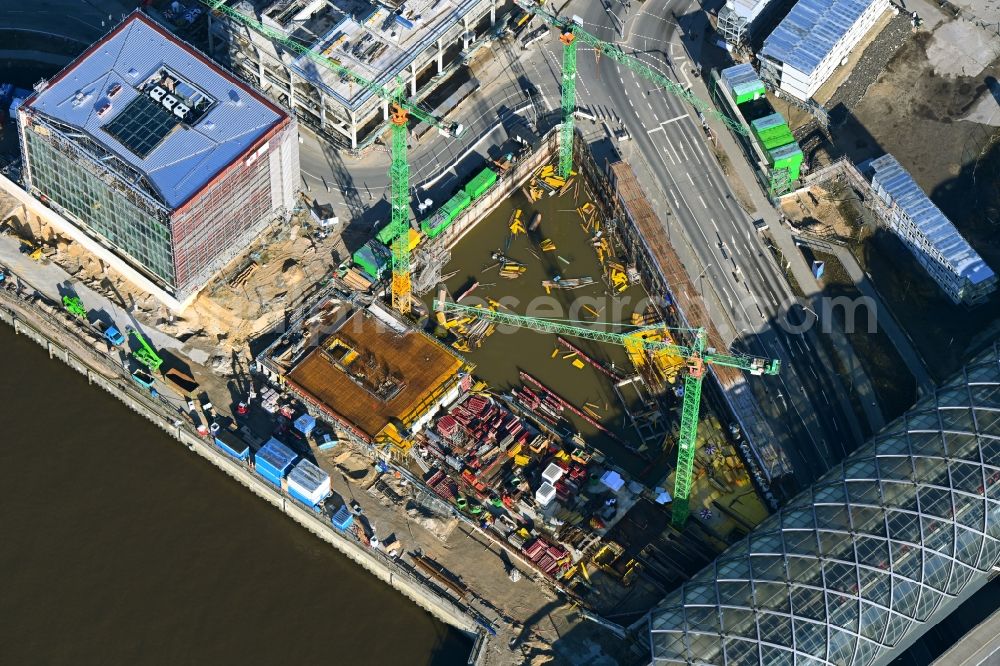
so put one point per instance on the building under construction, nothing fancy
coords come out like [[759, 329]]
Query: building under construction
[[162, 163], [364, 371], [418, 42]]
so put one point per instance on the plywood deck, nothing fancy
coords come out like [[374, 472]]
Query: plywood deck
[[423, 365]]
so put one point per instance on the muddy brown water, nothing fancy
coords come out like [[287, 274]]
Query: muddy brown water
[[120, 546], [509, 350]]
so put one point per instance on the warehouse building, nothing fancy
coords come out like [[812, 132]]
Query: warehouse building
[[928, 234], [861, 564], [813, 40], [160, 162], [417, 42]]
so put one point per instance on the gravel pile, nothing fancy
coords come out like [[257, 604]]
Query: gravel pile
[[871, 64]]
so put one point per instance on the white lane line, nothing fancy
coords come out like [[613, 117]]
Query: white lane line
[[673, 120], [824, 396], [813, 371], [655, 129], [702, 202], [760, 274], [684, 151], [690, 180], [714, 224]]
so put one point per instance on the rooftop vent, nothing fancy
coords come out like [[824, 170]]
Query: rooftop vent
[[157, 93]]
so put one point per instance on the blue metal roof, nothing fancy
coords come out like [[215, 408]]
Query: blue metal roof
[[810, 31], [190, 155], [901, 189], [276, 454]]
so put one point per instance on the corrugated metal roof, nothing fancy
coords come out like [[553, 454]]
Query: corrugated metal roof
[[190, 156], [308, 476], [276, 454], [896, 185], [810, 31]]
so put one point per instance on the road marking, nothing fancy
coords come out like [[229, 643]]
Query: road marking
[[813, 371], [674, 120], [714, 224], [690, 179], [655, 129], [702, 202], [824, 396]]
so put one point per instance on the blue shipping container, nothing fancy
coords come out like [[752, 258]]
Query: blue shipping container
[[232, 445], [305, 424], [273, 461], [343, 518]]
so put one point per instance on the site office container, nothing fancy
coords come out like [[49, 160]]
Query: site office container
[[483, 181], [232, 445], [273, 461], [308, 483], [787, 157]]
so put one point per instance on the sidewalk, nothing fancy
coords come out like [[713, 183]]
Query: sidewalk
[[783, 240], [886, 321]]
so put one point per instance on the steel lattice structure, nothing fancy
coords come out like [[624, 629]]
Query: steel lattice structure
[[863, 562]]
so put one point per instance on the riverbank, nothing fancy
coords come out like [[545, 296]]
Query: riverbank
[[46, 330]]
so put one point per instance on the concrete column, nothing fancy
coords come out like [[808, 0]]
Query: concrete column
[[260, 71], [493, 12], [354, 130], [322, 109], [291, 89], [440, 56], [413, 79], [211, 38], [385, 111], [465, 33]]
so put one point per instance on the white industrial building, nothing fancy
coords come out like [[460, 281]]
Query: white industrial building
[[930, 236], [417, 42], [813, 40], [737, 17]]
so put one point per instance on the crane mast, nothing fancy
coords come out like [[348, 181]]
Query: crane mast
[[572, 33], [399, 168], [698, 355]]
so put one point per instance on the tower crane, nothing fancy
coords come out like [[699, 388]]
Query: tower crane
[[571, 33], [698, 355], [399, 169]]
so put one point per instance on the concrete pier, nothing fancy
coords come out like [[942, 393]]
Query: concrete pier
[[58, 340]]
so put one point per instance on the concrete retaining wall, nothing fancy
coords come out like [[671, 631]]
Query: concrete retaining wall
[[33, 326]]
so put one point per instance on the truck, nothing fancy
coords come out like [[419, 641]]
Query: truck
[[110, 333]]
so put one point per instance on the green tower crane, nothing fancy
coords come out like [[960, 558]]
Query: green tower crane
[[571, 33], [697, 354], [399, 169]]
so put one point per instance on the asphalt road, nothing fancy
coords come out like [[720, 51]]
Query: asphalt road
[[746, 292]]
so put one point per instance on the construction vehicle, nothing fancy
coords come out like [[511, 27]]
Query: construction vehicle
[[399, 169], [145, 354], [32, 249], [571, 33], [697, 356], [74, 306]]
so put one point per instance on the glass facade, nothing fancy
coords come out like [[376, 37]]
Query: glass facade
[[867, 558], [134, 232]]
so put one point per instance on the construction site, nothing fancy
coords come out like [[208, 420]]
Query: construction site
[[558, 446]]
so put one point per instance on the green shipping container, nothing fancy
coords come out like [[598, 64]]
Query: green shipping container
[[777, 140], [385, 234], [435, 224], [452, 207], [483, 181], [787, 157], [372, 258]]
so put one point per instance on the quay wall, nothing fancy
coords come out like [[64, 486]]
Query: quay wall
[[47, 331]]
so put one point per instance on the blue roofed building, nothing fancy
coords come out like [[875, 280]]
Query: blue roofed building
[[929, 235], [812, 41], [158, 160]]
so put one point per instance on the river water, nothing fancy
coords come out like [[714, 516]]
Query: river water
[[120, 546]]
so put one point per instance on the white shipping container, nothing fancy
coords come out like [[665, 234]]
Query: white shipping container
[[310, 482]]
